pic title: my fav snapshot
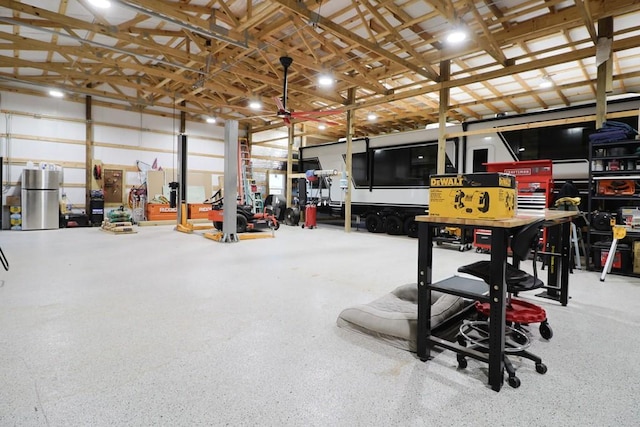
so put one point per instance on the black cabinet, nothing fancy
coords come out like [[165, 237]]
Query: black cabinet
[[614, 198], [96, 211]]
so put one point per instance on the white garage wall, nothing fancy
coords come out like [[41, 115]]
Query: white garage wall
[[44, 129]]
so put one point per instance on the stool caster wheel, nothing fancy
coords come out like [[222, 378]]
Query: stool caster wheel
[[520, 337], [545, 330], [462, 361], [514, 382], [541, 368]]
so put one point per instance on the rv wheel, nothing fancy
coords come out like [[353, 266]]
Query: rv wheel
[[374, 223], [411, 227], [394, 225]]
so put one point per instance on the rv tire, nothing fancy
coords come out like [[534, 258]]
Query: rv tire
[[374, 223], [394, 225], [411, 227]]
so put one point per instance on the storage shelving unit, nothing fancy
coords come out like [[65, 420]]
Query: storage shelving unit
[[614, 172]]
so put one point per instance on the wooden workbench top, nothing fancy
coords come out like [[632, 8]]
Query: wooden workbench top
[[522, 218]]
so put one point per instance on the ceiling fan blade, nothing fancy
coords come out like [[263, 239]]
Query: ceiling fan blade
[[279, 103]]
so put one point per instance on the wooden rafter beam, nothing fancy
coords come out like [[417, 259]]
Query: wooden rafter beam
[[163, 10], [395, 35], [352, 62], [539, 27], [146, 47], [585, 10], [365, 24], [346, 35], [549, 61], [489, 43]]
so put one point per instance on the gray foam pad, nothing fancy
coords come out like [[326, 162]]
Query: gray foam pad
[[393, 318]]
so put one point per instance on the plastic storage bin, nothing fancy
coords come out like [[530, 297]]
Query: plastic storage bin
[[621, 261]]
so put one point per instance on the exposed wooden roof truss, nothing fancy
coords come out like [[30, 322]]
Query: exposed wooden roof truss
[[211, 57]]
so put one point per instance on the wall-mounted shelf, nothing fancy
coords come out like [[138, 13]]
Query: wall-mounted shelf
[[617, 198], [628, 174]]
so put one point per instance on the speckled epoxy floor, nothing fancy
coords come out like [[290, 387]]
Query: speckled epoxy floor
[[164, 328]]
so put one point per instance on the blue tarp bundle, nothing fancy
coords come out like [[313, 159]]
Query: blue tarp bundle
[[612, 131]]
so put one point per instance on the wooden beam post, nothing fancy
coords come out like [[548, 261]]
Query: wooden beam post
[[445, 73], [604, 81], [349, 162]]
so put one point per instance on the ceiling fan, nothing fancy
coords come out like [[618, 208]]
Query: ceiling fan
[[286, 115]]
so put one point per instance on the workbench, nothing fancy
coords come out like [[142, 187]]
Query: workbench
[[501, 230]]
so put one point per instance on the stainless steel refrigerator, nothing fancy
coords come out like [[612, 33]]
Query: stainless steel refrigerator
[[40, 199]]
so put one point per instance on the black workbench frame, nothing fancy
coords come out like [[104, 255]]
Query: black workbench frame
[[497, 291]]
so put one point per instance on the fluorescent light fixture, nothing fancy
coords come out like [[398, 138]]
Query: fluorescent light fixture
[[456, 36], [371, 117], [56, 93], [521, 149], [321, 127], [210, 119], [325, 80], [102, 4], [255, 105], [437, 125]]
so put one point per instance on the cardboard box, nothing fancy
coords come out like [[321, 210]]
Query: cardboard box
[[199, 210], [636, 256], [160, 212], [629, 216], [621, 259], [477, 195], [13, 201]]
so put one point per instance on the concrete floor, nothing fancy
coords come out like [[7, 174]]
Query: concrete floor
[[164, 328]]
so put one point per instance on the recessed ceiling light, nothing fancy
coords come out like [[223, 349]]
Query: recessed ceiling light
[[102, 4], [456, 36], [255, 105], [210, 119], [371, 117], [325, 80], [322, 127], [546, 82], [56, 93]]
